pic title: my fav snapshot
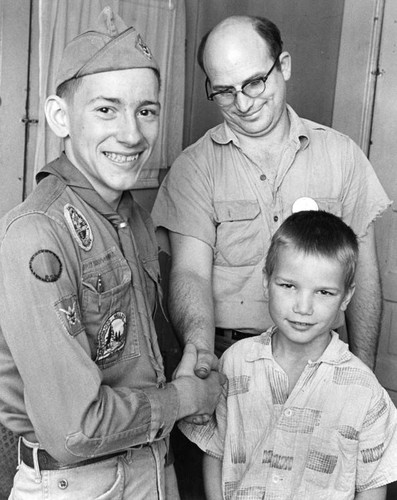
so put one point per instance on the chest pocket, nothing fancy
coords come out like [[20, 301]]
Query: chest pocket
[[108, 309], [239, 240]]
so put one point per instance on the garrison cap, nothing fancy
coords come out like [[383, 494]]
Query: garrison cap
[[111, 47]]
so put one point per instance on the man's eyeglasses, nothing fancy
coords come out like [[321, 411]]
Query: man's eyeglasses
[[252, 88]]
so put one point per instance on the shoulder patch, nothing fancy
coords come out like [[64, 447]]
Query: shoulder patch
[[78, 226], [68, 311], [45, 265]]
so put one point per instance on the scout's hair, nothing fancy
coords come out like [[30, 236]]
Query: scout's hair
[[265, 28], [316, 233]]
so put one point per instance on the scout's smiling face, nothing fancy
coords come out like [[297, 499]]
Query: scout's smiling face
[[110, 126]]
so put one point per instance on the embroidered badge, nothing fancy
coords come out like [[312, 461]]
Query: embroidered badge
[[79, 226], [141, 45], [111, 338], [45, 265], [68, 311]]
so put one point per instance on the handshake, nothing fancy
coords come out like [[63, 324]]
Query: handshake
[[198, 383]]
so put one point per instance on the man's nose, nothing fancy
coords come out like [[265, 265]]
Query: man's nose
[[243, 102], [303, 303], [129, 131]]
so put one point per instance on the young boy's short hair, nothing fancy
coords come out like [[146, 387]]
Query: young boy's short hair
[[316, 233]]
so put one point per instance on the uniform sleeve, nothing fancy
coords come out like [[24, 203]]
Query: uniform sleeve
[[73, 414], [184, 201], [377, 459], [364, 198]]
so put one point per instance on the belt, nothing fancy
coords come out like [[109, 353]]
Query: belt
[[232, 334], [47, 462]]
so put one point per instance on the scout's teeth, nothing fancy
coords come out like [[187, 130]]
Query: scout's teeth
[[121, 158]]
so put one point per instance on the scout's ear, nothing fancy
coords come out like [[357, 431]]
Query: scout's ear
[[57, 114]]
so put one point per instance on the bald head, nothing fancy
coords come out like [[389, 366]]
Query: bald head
[[236, 34]]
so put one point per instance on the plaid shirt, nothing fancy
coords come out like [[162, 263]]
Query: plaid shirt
[[333, 435]]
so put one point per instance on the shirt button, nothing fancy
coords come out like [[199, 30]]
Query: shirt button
[[276, 479], [63, 484], [275, 218], [288, 412], [263, 177]]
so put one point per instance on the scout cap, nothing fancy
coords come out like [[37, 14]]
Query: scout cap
[[111, 47]]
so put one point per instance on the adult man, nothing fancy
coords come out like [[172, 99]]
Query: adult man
[[81, 375], [228, 193]]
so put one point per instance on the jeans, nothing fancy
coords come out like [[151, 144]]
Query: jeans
[[136, 475]]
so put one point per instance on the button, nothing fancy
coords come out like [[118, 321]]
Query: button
[[288, 412], [276, 479], [122, 225], [275, 218], [263, 177], [63, 484]]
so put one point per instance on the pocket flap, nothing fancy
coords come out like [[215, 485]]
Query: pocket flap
[[227, 211]]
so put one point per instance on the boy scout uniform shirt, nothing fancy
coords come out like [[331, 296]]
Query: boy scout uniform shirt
[[214, 192], [80, 368]]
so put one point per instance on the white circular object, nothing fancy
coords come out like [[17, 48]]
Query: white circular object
[[305, 203]]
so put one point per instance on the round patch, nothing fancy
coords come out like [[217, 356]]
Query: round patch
[[45, 265], [303, 204]]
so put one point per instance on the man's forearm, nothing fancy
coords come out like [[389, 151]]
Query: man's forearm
[[191, 309], [364, 311]]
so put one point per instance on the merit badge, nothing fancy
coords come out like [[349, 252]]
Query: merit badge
[[303, 204], [79, 227], [45, 265], [68, 311], [111, 338], [141, 45]]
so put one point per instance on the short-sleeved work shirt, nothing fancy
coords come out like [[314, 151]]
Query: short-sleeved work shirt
[[335, 433], [216, 193]]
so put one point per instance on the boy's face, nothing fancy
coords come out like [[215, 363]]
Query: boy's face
[[112, 126], [306, 293]]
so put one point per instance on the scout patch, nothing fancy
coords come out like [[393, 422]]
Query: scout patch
[[111, 338], [45, 265], [141, 45], [68, 311], [79, 227]]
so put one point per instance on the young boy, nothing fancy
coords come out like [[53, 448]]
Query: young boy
[[302, 417]]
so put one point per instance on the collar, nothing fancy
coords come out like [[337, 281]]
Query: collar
[[337, 352], [299, 132], [71, 176]]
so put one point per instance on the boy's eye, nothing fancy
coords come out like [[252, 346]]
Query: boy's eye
[[326, 292], [286, 285]]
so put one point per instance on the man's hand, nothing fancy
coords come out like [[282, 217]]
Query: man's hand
[[198, 361], [198, 396]]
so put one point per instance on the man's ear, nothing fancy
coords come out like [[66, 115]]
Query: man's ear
[[56, 112], [348, 297], [285, 63]]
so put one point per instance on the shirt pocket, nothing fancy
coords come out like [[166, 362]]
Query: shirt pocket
[[330, 205], [108, 309], [238, 233]]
